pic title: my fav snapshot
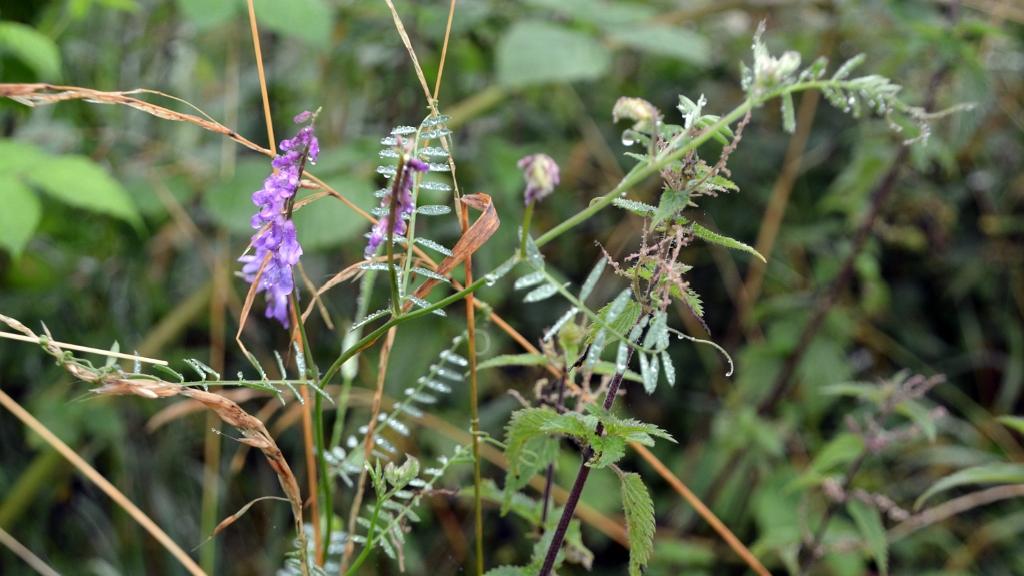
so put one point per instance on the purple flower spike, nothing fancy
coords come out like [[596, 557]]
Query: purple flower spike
[[541, 175], [276, 242], [406, 205]]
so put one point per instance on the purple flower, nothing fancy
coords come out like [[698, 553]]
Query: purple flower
[[275, 242], [405, 203], [541, 175]]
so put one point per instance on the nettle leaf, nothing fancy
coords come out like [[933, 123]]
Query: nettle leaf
[[537, 52], [869, 524], [80, 182], [725, 241], [1001, 473], [670, 41], [20, 214], [639, 510], [523, 426], [672, 202], [608, 450], [38, 51], [619, 315]]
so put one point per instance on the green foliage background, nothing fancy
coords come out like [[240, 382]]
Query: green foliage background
[[113, 225]]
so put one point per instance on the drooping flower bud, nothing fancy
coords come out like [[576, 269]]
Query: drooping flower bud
[[541, 174]]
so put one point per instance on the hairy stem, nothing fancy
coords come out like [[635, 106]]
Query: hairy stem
[[581, 479]]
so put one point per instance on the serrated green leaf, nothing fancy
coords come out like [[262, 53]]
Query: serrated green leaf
[[20, 214], [1001, 473], [672, 202], [80, 182], [725, 241], [537, 52], [639, 511], [523, 426], [608, 450], [869, 524], [36, 50], [620, 323]]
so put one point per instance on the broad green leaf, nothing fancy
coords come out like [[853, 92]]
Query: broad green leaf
[[639, 510], [1001, 473], [328, 222], [307, 20], [80, 182], [869, 524], [535, 52], [229, 202], [670, 41], [19, 216], [1013, 422], [36, 50], [725, 241], [513, 360]]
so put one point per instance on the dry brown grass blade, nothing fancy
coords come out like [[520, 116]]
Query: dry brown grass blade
[[102, 483], [254, 433], [26, 555], [234, 517], [42, 94]]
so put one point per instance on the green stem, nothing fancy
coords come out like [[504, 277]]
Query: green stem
[[372, 337], [313, 373], [368, 547]]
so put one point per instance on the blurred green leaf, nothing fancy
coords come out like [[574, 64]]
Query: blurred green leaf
[[1013, 422], [205, 14], [669, 41], [534, 52], [80, 182], [1001, 473], [869, 524], [840, 450], [19, 216], [17, 158], [307, 20], [513, 360], [36, 50]]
